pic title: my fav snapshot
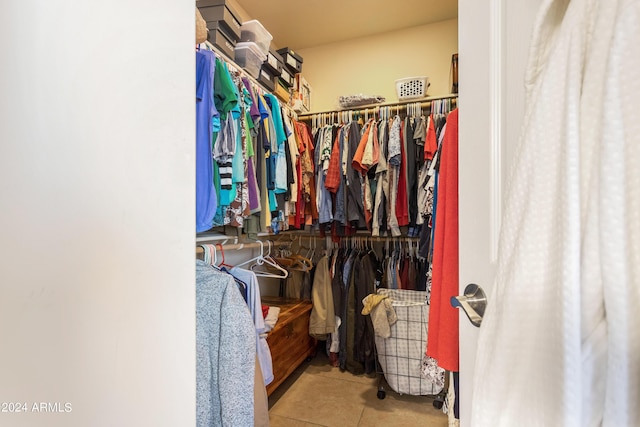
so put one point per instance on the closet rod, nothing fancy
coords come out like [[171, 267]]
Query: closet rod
[[382, 238], [233, 246], [371, 108]]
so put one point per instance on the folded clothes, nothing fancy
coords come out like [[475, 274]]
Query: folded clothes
[[271, 318]]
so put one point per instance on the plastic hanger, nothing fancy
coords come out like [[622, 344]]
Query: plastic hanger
[[210, 255], [222, 263], [257, 259], [272, 262], [206, 257], [269, 261]]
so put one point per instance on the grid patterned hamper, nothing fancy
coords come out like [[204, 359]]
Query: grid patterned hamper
[[400, 356]]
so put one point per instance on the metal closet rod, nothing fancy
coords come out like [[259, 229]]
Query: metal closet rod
[[243, 242], [371, 108], [232, 246]]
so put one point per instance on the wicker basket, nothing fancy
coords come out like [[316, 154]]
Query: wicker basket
[[201, 28]]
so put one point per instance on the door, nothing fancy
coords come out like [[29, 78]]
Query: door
[[493, 43]]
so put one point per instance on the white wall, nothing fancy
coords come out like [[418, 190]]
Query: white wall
[[371, 65], [97, 219]]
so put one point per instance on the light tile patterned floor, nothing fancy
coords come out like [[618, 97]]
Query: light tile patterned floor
[[317, 394]]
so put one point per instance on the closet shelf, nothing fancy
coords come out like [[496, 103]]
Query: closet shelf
[[426, 102]]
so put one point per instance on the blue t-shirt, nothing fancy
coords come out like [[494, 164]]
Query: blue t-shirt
[[281, 185], [206, 200]]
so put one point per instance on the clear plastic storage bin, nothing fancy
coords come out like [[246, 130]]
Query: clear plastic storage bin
[[253, 31], [249, 56]]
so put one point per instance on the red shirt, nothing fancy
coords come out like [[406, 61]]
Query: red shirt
[[332, 180], [442, 343]]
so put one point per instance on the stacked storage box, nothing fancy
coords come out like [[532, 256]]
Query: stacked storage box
[[286, 78], [223, 24], [300, 90], [271, 70], [253, 48], [292, 66], [281, 89], [253, 31], [292, 60], [250, 57]]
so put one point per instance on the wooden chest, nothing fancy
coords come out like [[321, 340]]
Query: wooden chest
[[289, 340]]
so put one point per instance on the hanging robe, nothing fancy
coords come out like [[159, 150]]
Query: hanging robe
[[559, 343]]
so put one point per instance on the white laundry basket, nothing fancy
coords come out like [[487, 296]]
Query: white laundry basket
[[400, 356], [412, 87]]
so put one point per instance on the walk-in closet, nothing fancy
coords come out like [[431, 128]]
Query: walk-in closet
[[413, 213], [326, 203]]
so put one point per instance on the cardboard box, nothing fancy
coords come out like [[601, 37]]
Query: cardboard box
[[282, 93]]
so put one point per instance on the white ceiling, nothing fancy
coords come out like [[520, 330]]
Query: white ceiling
[[300, 24]]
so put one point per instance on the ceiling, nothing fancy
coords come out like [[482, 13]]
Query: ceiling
[[300, 24]]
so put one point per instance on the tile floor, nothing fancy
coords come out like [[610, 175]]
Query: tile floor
[[317, 394]]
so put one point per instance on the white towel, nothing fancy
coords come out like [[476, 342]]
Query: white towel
[[272, 318]]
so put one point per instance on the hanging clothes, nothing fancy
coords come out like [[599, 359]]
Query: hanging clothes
[[415, 157], [443, 318], [206, 199], [225, 351], [254, 303], [352, 364], [382, 183], [364, 279], [322, 319], [253, 181], [402, 203], [346, 315], [323, 196]]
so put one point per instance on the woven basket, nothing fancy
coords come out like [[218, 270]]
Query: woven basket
[[201, 28]]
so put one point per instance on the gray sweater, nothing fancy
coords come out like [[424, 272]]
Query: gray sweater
[[225, 351]]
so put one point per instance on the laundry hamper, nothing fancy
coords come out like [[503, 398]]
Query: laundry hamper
[[401, 355]]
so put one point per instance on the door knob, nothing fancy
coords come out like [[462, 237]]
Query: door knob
[[473, 302]]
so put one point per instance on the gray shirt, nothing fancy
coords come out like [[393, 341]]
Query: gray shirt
[[225, 351]]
